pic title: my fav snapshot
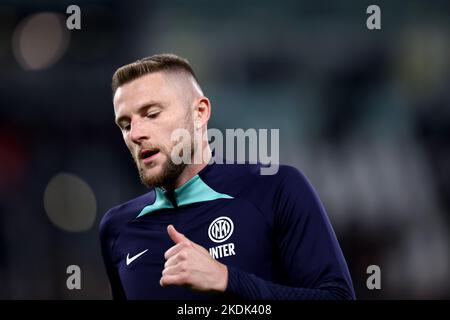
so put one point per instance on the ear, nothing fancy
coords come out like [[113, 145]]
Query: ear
[[202, 112]]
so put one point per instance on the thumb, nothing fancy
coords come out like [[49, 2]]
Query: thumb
[[175, 235]]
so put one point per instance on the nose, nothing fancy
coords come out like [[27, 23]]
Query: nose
[[138, 131]]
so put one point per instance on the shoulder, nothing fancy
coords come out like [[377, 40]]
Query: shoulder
[[121, 214], [289, 183], [251, 181], [262, 177], [291, 178]]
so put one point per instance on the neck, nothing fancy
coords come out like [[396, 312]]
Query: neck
[[192, 169]]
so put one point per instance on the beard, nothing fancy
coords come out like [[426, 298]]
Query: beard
[[169, 171], [167, 176]]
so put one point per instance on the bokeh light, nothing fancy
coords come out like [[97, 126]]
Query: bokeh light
[[40, 40], [70, 203]]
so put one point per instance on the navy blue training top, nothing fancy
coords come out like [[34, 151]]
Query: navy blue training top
[[271, 231]]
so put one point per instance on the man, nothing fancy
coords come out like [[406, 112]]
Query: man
[[206, 230]]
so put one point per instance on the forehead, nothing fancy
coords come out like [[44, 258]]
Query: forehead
[[152, 86]]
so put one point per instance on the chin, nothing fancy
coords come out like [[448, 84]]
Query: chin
[[152, 175], [159, 173], [151, 180], [151, 172]]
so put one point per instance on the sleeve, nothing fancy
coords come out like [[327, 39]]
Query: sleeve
[[309, 251], [107, 239]]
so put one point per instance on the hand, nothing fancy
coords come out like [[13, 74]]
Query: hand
[[191, 265]]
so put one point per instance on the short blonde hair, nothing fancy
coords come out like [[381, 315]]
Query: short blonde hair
[[154, 63]]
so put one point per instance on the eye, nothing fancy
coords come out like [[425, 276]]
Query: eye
[[125, 127], [153, 115]]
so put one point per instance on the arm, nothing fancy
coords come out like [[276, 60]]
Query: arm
[[107, 242], [248, 286], [310, 253]]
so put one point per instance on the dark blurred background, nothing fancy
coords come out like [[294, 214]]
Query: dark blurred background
[[364, 114]]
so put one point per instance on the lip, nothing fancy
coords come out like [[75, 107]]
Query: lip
[[148, 159]]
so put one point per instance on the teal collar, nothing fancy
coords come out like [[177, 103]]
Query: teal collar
[[194, 190]]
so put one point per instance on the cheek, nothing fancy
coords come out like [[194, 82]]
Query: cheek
[[164, 135], [179, 121], [128, 143]]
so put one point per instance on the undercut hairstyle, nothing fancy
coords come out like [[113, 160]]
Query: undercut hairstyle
[[158, 62]]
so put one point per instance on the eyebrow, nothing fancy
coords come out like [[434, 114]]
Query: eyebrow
[[141, 109]]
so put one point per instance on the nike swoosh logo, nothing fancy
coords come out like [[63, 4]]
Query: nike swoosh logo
[[130, 260]]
